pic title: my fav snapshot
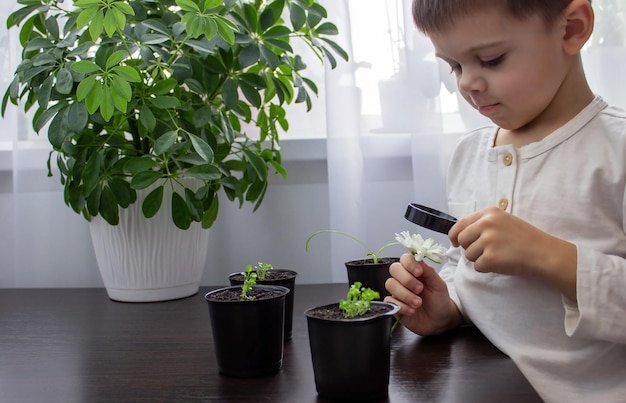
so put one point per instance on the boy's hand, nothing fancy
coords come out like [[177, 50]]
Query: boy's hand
[[499, 242], [425, 305]]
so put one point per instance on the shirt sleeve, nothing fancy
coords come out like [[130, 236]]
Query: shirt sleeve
[[448, 272], [600, 311]]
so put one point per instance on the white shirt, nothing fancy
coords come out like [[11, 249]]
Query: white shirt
[[572, 184]]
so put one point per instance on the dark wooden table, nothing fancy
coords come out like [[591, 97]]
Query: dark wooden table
[[76, 345]]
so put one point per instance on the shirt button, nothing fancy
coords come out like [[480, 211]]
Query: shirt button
[[503, 204], [507, 159]]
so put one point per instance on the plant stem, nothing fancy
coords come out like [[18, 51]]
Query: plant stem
[[395, 324]]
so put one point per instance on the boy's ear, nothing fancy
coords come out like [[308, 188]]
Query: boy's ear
[[579, 19]]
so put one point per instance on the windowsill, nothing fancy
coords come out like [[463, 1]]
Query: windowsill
[[6, 156], [33, 154]]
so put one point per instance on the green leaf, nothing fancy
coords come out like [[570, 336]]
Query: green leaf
[[91, 173], [210, 28], [206, 172], [152, 203], [164, 102], [93, 99], [254, 80], [188, 5], [106, 104], [302, 95], [210, 214], [96, 26], [330, 57], [257, 163], [327, 28], [225, 31], [75, 196], [122, 88], [37, 44], [43, 59], [202, 148], [281, 44], [210, 4], [310, 84], [250, 14], [43, 97], [108, 206], [154, 39], [128, 73], [279, 169], [297, 16], [251, 94], [58, 130], [122, 191], [85, 67], [64, 82], [195, 205], [180, 212], [157, 26], [119, 102], [146, 118], [164, 142], [39, 121], [86, 3], [249, 55], [163, 87], [279, 31], [138, 164], [229, 94], [86, 16], [270, 57], [142, 180], [202, 116], [18, 16], [337, 49], [115, 58], [110, 23], [77, 117], [124, 8], [93, 200], [85, 87], [118, 17], [256, 191], [202, 46]]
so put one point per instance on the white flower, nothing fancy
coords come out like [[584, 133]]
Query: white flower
[[421, 248]]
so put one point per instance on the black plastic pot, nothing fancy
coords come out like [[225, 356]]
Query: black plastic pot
[[248, 335], [351, 357], [369, 274], [281, 277]]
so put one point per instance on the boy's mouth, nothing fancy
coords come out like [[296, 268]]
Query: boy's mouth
[[487, 109]]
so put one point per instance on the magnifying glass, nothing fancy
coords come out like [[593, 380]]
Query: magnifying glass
[[430, 218]]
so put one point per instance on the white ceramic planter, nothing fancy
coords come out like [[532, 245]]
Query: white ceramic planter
[[146, 260]]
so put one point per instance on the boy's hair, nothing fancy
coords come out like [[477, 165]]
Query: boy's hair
[[435, 15]]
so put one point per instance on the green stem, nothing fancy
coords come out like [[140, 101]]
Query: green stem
[[395, 324]]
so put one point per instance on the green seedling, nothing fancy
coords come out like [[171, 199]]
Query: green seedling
[[358, 300], [370, 252], [249, 279], [263, 270]]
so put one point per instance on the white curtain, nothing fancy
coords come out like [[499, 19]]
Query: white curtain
[[390, 118]]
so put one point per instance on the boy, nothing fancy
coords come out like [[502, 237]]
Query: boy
[[538, 262]]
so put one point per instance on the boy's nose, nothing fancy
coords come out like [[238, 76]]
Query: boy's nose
[[471, 81]]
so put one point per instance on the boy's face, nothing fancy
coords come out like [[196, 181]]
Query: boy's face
[[510, 70]]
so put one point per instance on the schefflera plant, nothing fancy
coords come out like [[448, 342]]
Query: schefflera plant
[[139, 94]]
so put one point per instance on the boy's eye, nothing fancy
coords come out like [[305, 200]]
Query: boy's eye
[[455, 68], [492, 62]]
